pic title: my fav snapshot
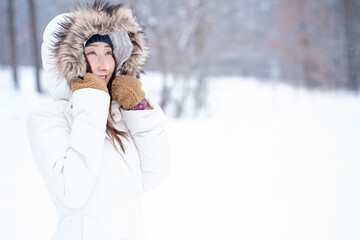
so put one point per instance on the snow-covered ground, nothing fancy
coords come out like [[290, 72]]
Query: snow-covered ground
[[264, 162]]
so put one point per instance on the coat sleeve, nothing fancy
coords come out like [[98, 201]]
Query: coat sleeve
[[147, 128], [69, 157]]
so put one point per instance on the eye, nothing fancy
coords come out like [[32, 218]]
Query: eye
[[108, 53], [91, 52]]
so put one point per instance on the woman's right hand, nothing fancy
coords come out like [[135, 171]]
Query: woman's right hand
[[90, 81]]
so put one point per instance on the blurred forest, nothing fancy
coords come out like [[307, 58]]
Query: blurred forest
[[306, 43]]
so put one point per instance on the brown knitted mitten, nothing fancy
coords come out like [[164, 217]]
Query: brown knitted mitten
[[90, 81], [126, 91]]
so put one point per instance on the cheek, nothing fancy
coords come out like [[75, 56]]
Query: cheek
[[91, 63], [112, 65]]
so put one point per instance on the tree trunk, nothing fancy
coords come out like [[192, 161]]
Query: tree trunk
[[36, 57], [200, 93], [13, 60], [352, 36], [165, 93]]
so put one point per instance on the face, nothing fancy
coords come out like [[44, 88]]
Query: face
[[100, 59]]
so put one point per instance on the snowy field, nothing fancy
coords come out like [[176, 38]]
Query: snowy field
[[263, 162]]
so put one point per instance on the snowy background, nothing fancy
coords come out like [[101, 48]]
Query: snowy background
[[265, 161]]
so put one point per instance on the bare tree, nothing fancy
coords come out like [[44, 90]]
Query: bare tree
[[352, 36], [36, 56], [12, 41], [183, 42]]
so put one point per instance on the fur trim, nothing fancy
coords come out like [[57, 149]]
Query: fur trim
[[101, 18]]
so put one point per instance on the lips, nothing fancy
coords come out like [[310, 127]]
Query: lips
[[103, 77]]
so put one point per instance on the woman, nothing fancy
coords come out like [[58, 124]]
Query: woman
[[101, 142]]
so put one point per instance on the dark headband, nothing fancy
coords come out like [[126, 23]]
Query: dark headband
[[99, 38]]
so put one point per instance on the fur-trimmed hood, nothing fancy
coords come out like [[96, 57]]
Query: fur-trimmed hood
[[65, 35]]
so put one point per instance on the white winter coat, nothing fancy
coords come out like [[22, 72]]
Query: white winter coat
[[96, 190]]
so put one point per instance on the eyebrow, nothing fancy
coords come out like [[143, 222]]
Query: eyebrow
[[95, 45]]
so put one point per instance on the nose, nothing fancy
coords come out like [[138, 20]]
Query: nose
[[103, 65]]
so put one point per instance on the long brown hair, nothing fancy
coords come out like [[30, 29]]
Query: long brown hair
[[111, 131]]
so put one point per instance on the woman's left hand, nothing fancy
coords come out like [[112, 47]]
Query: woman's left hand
[[126, 91]]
